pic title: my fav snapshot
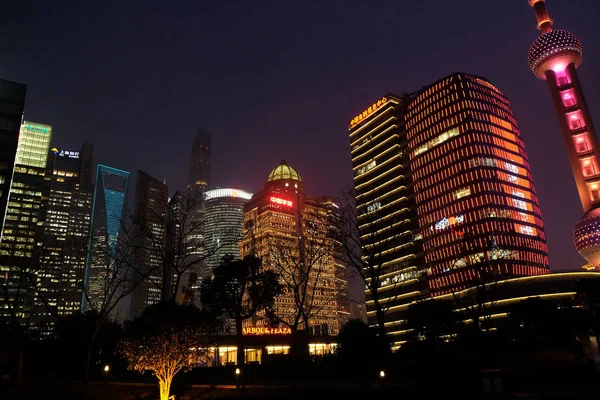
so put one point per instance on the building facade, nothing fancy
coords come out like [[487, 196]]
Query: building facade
[[477, 206], [104, 258], [555, 56], [20, 246], [12, 105], [66, 210], [199, 179], [150, 233], [223, 223], [287, 229], [386, 209]]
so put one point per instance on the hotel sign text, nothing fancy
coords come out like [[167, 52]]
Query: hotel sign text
[[376, 106], [266, 331]]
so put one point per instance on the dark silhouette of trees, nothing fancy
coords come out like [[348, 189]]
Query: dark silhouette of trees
[[361, 351], [432, 320], [238, 290]]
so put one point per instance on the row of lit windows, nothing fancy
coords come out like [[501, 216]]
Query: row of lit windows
[[480, 235], [429, 215], [481, 143], [459, 163], [454, 152], [480, 182]]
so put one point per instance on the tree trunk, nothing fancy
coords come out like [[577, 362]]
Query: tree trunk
[[88, 362], [164, 387], [20, 373], [380, 315], [240, 342]]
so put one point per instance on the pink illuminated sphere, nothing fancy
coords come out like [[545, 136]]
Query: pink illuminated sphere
[[586, 236], [554, 50]]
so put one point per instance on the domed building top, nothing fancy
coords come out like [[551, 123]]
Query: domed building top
[[284, 172], [552, 44]]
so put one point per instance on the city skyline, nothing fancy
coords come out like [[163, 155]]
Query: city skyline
[[507, 36]]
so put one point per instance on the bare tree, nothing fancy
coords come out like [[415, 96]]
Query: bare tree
[[305, 264], [176, 240], [365, 236], [488, 261]]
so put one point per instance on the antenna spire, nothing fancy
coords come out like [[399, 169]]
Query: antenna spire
[[543, 19]]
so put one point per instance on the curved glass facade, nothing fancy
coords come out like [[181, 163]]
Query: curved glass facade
[[223, 223], [474, 191]]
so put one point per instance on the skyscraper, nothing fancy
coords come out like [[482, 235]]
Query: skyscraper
[[386, 209], [66, 210], [20, 248], [476, 202], [12, 104], [150, 234], [223, 223], [286, 228], [103, 261], [555, 56], [199, 173], [198, 184]]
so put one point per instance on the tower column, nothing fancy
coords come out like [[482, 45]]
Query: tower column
[[578, 132]]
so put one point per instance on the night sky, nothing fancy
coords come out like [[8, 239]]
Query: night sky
[[281, 79]]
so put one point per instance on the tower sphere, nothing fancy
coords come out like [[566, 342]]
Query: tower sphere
[[554, 50], [586, 236]]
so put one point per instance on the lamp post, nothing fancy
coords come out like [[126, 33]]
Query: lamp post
[[237, 378], [106, 371], [382, 377]]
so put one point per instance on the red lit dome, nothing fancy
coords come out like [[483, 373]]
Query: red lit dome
[[554, 50], [586, 236]]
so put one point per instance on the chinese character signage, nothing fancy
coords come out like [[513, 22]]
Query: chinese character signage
[[277, 200], [360, 117]]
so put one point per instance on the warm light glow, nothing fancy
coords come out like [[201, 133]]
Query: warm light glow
[[283, 202], [382, 374], [237, 371], [266, 331], [106, 368], [368, 112]]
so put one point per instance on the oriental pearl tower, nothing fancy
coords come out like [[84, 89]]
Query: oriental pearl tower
[[555, 56]]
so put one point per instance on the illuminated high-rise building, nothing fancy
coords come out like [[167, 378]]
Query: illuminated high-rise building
[[287, 229], [12, 104], [223, 223], [150, 232], [20, 247], [66, 211], [475, 197], [108, 210], [199, 173], [198, 183], [555, 56], [385, 208]]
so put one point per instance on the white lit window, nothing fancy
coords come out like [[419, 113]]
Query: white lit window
[[464, 192]]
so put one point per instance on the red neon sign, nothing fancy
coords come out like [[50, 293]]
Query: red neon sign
[[283, 202]]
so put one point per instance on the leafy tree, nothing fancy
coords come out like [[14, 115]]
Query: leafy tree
[[238, 289], [361, 351], [166, 339], [432, 320]]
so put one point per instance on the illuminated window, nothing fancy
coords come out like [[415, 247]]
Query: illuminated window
[[366, 168], [436, 141], [464, 192], [374, 206]]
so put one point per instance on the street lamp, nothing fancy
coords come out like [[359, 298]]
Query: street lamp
[[237, 378], [382, 377], [106, 368]]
